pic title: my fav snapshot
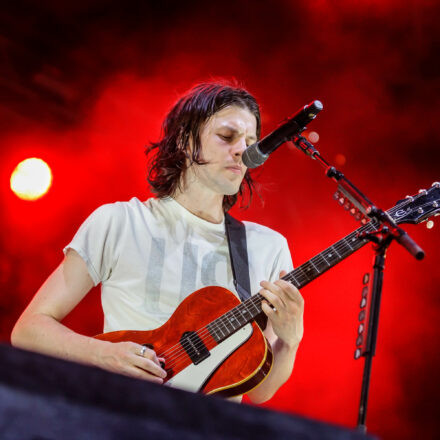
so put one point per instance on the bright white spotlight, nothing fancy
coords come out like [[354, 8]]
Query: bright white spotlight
[[31, 179]]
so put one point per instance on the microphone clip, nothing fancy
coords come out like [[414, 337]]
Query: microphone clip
[[305, 146]]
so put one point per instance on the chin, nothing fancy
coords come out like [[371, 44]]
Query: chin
[[231, 191]]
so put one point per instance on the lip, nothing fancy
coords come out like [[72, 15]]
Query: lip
[[235, 169]]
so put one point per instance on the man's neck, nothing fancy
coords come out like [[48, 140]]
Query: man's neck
[[209, 208]]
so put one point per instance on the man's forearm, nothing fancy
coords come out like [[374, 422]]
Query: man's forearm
[[44, 334], [284, 358]]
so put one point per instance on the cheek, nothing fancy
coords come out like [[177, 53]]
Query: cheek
[[215, 154]]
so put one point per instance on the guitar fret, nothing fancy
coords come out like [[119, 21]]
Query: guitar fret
[[328, 264], [212, 330], [227, 322], [220, 329], [231, 322], [239, 318], [336, 252], [317, 270], [345, 247], [300, 268], [309, 268], [322, 263], [291, 278], [236, 317], [255, 307]]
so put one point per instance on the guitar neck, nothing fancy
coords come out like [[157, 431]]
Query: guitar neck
[[239, 316], [312, 269]]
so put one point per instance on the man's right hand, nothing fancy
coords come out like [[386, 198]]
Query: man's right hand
[[133, 360]]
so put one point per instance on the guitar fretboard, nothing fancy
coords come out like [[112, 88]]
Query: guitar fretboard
[[239, 316]]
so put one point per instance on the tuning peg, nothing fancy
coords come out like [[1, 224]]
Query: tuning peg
[[429, 224], [410, 198], [423, 191], [436, 184]]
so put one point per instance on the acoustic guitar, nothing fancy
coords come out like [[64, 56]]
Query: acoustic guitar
[[212, 344]]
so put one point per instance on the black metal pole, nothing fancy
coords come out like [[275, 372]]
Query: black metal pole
[[373, 324]]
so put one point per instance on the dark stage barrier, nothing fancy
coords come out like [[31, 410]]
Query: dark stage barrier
[[46, 398]]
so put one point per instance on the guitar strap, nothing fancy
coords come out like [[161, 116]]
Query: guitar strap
[[236, 235]]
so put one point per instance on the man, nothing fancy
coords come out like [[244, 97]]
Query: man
[[149, 256]]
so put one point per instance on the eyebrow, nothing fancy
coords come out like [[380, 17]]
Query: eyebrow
[[234, 130]]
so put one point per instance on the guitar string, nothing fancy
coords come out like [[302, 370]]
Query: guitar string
[[204, 331], [361, 242], [179, 355], [183, 356], [187, 359], [221, 320], [225, 319], [291, 275], [321, 255]]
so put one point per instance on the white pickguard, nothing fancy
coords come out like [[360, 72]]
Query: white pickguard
[[193, 377]]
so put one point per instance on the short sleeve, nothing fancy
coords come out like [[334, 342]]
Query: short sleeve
[[283, 260], [96, 241]]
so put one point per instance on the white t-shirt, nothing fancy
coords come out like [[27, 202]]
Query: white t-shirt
[[149, 256]]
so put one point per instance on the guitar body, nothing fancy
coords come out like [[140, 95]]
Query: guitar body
[[227, 368]]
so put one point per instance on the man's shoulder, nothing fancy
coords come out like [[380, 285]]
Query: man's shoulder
[[258, 230], [117, 210]]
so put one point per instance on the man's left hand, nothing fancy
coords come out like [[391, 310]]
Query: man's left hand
[[287, 313]]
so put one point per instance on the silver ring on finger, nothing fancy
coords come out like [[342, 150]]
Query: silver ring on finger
[[143, 350]]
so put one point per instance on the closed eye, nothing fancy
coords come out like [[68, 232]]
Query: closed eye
[[226, 138], [231, 138]]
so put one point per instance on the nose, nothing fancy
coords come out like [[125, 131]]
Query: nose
[[238, 148]]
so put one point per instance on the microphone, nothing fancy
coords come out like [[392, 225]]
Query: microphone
[[256, 154]]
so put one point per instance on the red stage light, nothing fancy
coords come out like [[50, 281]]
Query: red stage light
[[340, 159]]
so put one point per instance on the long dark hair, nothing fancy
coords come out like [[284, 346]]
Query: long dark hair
[[170, 154]]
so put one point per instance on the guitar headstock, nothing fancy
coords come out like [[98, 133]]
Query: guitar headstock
[[418, 208]]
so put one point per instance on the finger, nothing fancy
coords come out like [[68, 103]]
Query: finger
[[149, 366], [272, 298], [148, 353], [268, 310], [140, 373], [275, 290], [289, 291], [282, 273]]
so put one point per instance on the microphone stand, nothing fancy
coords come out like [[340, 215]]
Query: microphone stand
[[381, 239]]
